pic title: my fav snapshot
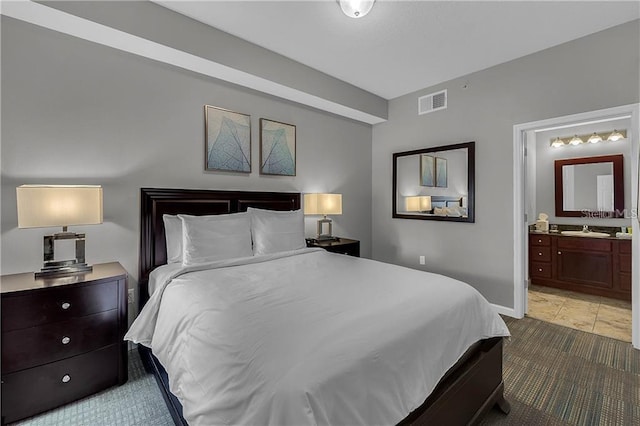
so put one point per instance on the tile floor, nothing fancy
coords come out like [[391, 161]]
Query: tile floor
[[594, 314]]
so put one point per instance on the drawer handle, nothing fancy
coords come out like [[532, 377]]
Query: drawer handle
[[66, 378], [66, 340], [539, 241], [559, 252], [539, 269], [539, 254], [66, 305]]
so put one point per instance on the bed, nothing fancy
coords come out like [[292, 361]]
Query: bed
[[461, 395]]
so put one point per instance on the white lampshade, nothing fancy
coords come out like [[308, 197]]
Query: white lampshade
[[324, 204], [42, 206], [421, 203]]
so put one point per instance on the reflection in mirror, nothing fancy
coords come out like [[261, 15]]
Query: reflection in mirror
[[435, 183], [590, 186]]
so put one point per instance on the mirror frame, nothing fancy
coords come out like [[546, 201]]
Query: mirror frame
[[471, 171], [618, 186]]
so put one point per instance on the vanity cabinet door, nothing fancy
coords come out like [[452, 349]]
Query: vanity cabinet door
[[587, 268]]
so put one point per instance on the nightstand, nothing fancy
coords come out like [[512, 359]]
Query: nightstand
[[341, 246], [61, 338]]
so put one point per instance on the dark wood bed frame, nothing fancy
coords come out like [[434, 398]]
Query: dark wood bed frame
[[467, 391]]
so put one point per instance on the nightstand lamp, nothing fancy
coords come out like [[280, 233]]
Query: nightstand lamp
[[323, 204], [41, 206], [421, 203]]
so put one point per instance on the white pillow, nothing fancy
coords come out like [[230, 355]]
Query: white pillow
[[173, 237], [275, 231], [218, 237]]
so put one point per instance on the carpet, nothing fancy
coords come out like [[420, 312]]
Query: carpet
[[137, 402], [560, 376], [553, 376]]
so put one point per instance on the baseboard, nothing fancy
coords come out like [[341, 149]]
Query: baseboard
[[502, 310]]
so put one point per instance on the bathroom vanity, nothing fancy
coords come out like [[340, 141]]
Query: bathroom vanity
[[592, 265]]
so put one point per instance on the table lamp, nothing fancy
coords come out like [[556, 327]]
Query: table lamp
[[323, 204], [420, 203], [41, 206]]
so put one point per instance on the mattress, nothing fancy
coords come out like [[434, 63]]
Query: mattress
[[308, 337]]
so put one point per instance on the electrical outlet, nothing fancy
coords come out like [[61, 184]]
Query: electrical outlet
[[422, 260], [131, 296]]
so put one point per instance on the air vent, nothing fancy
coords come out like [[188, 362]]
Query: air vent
[[432, 102]]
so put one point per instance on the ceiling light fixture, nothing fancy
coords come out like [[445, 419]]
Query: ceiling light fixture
[[356, 8], [557, 143]]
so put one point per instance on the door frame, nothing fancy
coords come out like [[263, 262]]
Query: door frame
[[520, 263]]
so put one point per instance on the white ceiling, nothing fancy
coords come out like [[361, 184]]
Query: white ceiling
[[404, 46]]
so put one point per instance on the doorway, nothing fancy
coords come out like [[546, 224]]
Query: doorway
[[525, 209]]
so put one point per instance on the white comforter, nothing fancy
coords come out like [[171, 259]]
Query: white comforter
[[308, 338]]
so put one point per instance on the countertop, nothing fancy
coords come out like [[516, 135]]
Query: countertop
[[559, 234]]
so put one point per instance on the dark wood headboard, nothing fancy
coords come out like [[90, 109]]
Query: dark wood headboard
[[154, 202]]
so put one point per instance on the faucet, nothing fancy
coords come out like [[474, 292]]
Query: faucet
[[585, 228]]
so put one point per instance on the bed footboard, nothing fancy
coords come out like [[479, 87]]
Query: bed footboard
[[468, 390]]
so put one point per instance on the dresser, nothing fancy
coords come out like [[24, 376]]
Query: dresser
[[341, 245], [62, 338]]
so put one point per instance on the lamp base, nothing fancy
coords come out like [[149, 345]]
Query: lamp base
[[64, 267], [53, 268]]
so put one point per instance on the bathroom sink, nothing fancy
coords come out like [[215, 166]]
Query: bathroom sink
[[585, 234]]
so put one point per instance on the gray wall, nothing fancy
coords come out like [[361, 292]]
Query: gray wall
[[555, 82], [544, 172], [77, 112], [153, 22]]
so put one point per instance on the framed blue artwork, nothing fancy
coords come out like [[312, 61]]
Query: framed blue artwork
[[441, 172], [277, 148], [427, 170], [228, 140]]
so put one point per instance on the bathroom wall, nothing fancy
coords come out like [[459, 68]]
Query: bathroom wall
[[545, 173]]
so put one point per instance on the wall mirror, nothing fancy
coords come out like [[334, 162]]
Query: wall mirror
[[590, 187], [435, 183]]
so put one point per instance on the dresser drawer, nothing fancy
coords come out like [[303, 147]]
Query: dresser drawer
[[539, 240], [540, 254], [584, 243], [57, 304], [30, 347], [540, 270], [51, 385]]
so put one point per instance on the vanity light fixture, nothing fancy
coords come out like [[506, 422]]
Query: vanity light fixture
[[323, 204], [595, 137], [615, 136], [43, 206], [575, 141], [356, 8]]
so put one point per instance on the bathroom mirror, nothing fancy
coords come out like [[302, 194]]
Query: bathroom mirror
[[435, 183], [590, 187]]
